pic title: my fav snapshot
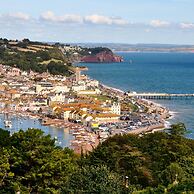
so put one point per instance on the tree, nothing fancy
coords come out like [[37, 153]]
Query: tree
[[173, 174], [5, 174], [148, 161], [178, 129], [98, 180], [37, 164], [4, 138]]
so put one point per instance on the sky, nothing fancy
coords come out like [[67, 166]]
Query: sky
[[99, 21]]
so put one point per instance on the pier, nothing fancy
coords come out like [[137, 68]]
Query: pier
[[160, 96]]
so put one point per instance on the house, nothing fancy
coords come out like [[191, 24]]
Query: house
[[66, 113], [15, 72], [13, 94], [116, 108], [43, 87], [92, 83], [79, 86], [56, 97], [62, 89], [89, 92], [106, 117]]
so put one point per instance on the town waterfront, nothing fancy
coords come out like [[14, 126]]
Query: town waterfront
[[153, 72]]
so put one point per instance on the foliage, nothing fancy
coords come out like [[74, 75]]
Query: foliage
[[98, 180], [162, 162], [33, 164], [97, 50], [34, 61], [4, 138], [148, 161], [58, 68], [178, 129]]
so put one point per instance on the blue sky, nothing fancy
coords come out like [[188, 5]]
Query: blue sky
[[119, 21]]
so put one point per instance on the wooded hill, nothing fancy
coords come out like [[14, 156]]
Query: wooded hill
[[162, 162], [35, 56]]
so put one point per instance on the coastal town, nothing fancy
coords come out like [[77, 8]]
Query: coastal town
[[91, 111], [97, 97]]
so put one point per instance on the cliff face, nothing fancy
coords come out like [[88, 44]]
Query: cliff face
[[102, 57]]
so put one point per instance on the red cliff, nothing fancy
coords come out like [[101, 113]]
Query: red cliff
[[102, 57]]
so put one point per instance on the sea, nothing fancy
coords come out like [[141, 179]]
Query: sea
[[153, 72]]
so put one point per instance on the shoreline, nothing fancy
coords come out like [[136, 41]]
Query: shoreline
[[112, 88], [167, 113]]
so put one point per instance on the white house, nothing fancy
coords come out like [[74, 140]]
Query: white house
[[57, 97], [59, 88], [116, 108], [89, 92], [46, 86]]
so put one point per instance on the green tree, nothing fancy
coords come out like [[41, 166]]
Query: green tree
[[96, 180], [178, 129], [4, 138], [5, 173], [37, 164]]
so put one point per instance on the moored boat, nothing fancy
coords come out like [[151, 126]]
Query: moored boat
[[7, 123]]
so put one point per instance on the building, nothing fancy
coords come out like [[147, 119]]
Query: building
[[15, 72], [77, 74], [79, 87], [89, 92], [47, 86], [106, 117], [92, 83], [116, 108], [56, 97], [63, 89]]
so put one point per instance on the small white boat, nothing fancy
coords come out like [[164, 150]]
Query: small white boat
[[7, 123]]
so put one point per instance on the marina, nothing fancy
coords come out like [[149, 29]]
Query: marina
[[61, 134]]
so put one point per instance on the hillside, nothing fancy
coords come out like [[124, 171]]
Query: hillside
[[152, 164], [35, 56], [55, 58]]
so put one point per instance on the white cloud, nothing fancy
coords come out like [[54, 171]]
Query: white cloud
[[159, 23], [68, 18], [187, 25], [18, 15], [93, 19], [100, 19]]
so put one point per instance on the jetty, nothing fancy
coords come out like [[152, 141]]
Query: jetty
[[159, 96]]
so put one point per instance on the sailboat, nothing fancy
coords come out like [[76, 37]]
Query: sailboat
[[7, 123]]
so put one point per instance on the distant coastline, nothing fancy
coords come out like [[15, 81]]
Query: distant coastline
[[154, 51], [122, 47]]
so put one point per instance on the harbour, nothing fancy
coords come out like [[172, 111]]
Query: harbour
[[62, 135]]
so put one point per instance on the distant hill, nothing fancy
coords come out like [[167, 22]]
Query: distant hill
[[141, 47]]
